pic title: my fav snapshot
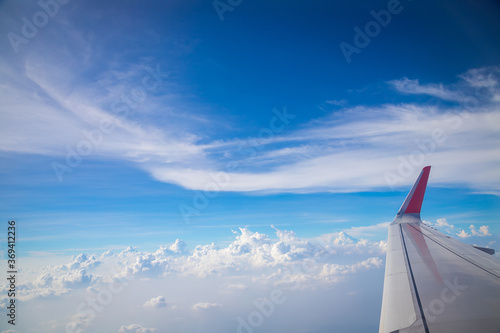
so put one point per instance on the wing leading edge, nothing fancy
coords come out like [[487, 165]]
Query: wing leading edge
[[434, 283]]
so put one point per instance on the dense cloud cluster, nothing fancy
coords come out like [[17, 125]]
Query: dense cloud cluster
[[250, 254], [253, 266], [253, 258]]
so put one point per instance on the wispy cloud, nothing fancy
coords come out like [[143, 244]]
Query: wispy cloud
[[347, 151], [409, 86], [478, 83], [337, 102], [354, 154]]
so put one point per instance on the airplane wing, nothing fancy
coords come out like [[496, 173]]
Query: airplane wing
[[434, 283]]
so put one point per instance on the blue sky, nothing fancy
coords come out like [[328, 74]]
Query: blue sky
[[140, 123]]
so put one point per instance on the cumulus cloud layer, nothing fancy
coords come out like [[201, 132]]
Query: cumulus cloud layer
[[252, 261], [211, 285]]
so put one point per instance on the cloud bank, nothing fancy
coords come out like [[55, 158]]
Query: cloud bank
[[207, 281], [213, 287]]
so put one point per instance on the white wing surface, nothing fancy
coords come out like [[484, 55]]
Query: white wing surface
[[433, 283]]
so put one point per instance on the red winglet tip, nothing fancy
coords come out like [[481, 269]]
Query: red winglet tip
[[417, 198]]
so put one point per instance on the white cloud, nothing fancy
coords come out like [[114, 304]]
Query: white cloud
[[367, 231], [108, 253], [443, 223], [157, 302], [251, 259], [369, 144], [251, 254], [44, 280], [344, 239], [206, 306], [57, 280], [408, 86], [254, 253], [130, 249], [476, 86], [79, 322], [333, 271], [342, 243], [76, 279], [84, 261], [482, 77], [337, 102], [237, 286], [354, 150], [179, 247], [443, 226], [210, 277], [135, 328], [484, 230], [148, 264]]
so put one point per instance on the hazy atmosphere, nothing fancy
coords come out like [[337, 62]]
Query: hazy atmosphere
[[233, 165]]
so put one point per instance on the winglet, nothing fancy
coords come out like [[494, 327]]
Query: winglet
[[413, 201]]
